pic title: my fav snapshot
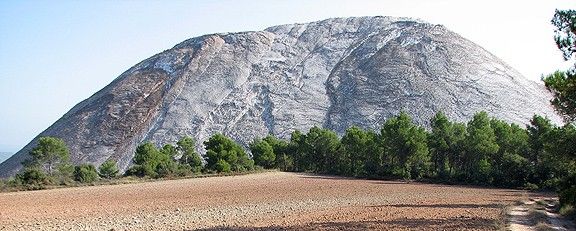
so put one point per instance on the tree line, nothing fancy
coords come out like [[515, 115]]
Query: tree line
[[222, 155], [484, 151], [49, 164]]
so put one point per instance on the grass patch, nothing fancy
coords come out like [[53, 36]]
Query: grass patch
[[543, 227], [568, 211], [537, 216]]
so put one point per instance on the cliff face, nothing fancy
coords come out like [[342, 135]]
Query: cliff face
[[333, 73]]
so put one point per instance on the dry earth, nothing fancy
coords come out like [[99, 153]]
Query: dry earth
[[538, 213], [266, 201]]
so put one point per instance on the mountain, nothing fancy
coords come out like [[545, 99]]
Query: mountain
[[333, 73]]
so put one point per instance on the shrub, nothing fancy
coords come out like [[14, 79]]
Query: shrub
[[108, 169], [184, 170], [189, 156], [141, 171], [568, 196], [222, 166], [221, 148], [530, 186], [85, 173], [165, 169], [32, 178], [262, 153], [64, 175], [149, 161]]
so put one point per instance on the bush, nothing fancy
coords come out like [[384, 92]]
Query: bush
[[568, 211], [64, 175], [184, 170], [221, 148], [108, 169], [33, 178], [149, 161], [189, 156], [85, 173], [285, 162], [222, 166], [568, 196], [140, 171], [530, 186], [165, 169], [262, 153]]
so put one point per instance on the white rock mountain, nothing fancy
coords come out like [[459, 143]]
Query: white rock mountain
[[333, 73]]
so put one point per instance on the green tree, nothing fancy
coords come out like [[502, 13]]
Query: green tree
[[319, 149], [374, 153], [85, 173], [189, 156], [263, 153], [108, 169], [407, 145], [542, 136], [145, 160], [439, 143], [539, 132], [220, 147], [50, 153], [297, 148], [563, 84], [170, 151], [481, 145], [222, 166], [565, 32], [326, 147], [166, 168], [149, 161], [355, 144], [281, 149], [510, 166], [457, 148], [32, 178], [563, 87]]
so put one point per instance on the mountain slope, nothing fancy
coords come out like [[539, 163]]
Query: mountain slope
[[333, 73]]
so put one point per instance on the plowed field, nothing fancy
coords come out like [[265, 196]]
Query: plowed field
[[265, 201]]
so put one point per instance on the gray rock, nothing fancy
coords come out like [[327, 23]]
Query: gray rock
[[333, 73]]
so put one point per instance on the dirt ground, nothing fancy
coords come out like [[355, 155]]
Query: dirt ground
[[266, 201]]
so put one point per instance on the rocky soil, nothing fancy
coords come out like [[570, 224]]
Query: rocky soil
[[266, 201]]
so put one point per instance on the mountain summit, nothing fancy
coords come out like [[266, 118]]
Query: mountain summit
[[333, 73]]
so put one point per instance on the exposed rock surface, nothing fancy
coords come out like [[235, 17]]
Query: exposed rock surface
[[333, 73]]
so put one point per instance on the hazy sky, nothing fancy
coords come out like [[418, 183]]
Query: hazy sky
[[53, 54]]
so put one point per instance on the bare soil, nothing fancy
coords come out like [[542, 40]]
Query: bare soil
[[538, 213], [265, 201]]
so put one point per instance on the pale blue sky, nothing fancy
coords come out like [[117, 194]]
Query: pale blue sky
[[53, 54]]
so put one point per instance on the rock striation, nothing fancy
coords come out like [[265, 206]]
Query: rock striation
[[333, 73]]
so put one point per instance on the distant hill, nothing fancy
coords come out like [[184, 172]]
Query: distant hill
[[4, 156]]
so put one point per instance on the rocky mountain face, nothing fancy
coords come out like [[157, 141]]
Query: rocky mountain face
[[333, 73]]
